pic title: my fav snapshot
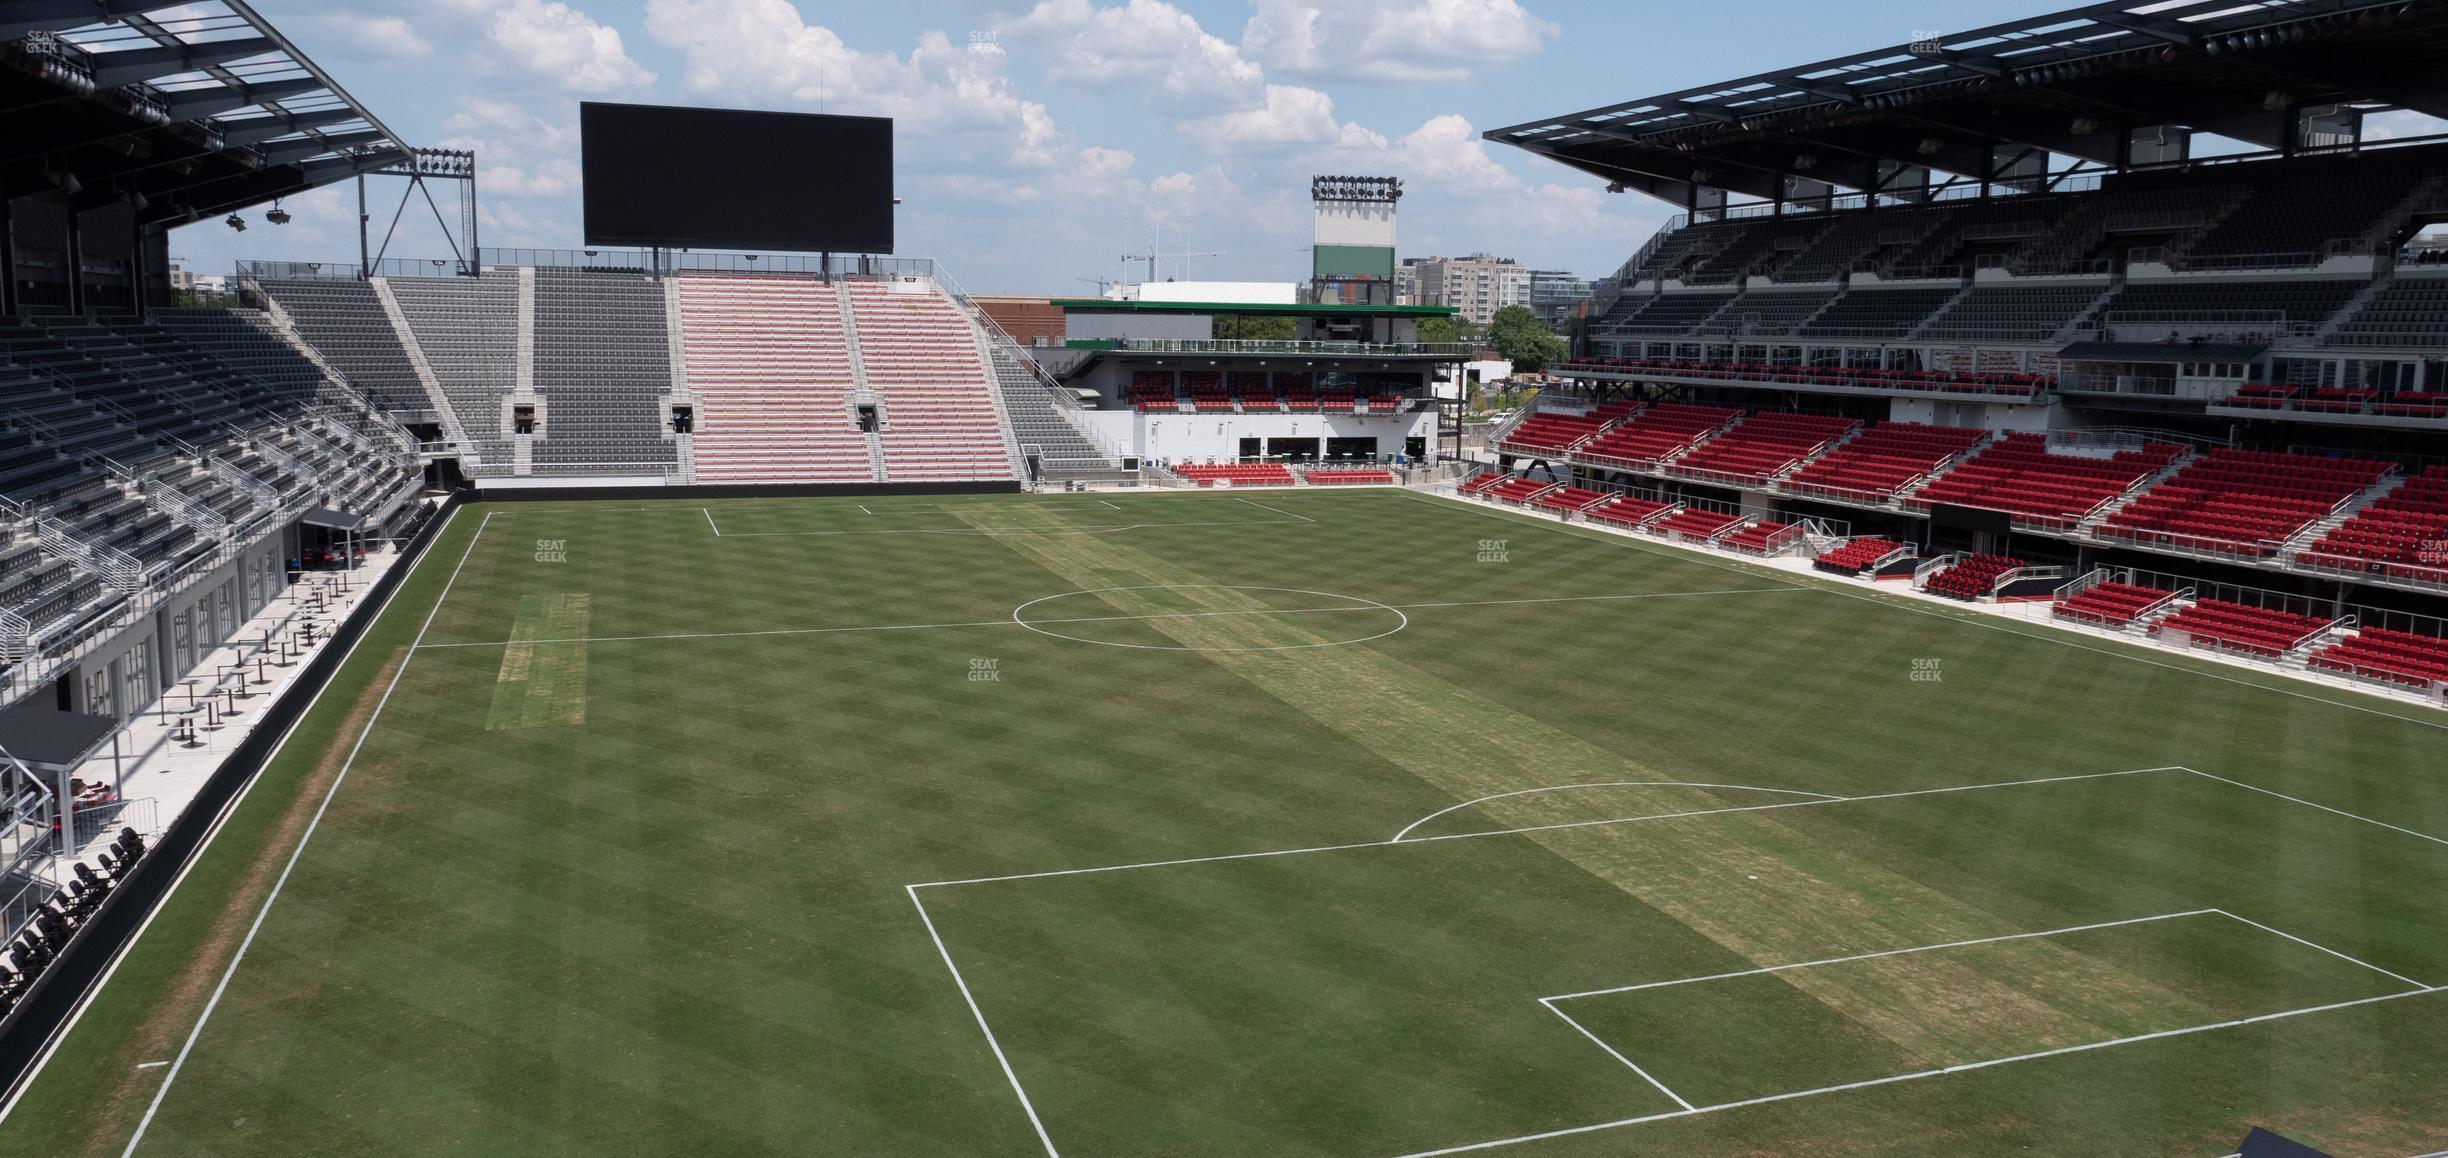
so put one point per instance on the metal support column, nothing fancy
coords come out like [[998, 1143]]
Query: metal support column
[[76, 263], [8, 261], [67, 819], [136, 267]]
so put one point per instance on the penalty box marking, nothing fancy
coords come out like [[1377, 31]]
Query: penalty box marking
[[1915, 1075], [1553, 1003], [1011, 1075]]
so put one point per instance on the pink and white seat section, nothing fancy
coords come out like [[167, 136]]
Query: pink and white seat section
[[921, 356], [770, 366]]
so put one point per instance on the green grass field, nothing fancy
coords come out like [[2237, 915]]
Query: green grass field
[[1012, 825]]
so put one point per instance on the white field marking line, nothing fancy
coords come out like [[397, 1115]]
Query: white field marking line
[[1401, 620], [1918, 1075], [993, 534], [709, 514], [1040, 505], [1602, 598], [1397, 839], [980, 1015], [1787, 968], [587, 507], [1534, 828], [1601, 1043], [1400, 607], [722, 634], [151, 1065], [863, 508], [2325, 949], [1570, 531], [85, 1001], [180, 1061], [2322, 807], [1973, 619], [1277, 510]]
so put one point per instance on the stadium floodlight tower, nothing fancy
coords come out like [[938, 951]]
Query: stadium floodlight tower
[[1352, 255]]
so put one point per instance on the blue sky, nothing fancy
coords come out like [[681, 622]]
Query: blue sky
[[1039, 141]]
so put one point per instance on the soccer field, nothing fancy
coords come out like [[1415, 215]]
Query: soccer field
[[1350, 823]]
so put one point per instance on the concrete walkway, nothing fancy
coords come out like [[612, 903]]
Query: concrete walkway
[[168, 751]]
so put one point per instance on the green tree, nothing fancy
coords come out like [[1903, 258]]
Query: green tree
[[1448, 329], [1252, 328], [1522, 339]]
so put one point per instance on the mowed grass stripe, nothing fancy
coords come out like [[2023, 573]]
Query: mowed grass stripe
[[697, 893], [1760, 889]]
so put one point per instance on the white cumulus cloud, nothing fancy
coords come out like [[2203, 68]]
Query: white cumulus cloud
[[1292, 115], [1148, 46], [1406, 40], [379, 35], [524, 155], [1097, 162], [752, 50], [555, 42]]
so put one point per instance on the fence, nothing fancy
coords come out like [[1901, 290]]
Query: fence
[[636, 470], [852, 265]]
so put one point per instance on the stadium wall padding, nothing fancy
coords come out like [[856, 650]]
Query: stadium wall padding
[[741, 491]]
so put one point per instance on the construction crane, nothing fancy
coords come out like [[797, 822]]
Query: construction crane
[[1156, 254]]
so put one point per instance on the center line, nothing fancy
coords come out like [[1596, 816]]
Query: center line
[[1007, 622]]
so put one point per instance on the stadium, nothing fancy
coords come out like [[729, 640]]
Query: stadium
[[1952, 661]]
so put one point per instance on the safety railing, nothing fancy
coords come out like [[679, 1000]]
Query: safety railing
[[1250, 346]]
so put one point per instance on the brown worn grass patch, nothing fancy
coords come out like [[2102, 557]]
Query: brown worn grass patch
[[543, 684], [1810, 900], [121, 1092]]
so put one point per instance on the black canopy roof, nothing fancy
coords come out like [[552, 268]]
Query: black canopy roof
[[2075, 83], [48, 739]]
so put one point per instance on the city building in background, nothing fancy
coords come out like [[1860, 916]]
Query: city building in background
[[1557, 297], [1475, 287]]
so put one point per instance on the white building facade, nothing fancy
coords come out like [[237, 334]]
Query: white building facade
[[1476, 286]]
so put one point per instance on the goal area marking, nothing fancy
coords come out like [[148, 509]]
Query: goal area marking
[[1687, 1109], [1554, 1004]]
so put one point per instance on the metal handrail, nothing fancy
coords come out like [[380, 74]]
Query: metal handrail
[[1249, 346]]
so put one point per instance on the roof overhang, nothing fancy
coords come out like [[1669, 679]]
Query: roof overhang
[[180, 110], [330, 519], [2077, 83], [49, 740], [1272, 310], [2185, 351]]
